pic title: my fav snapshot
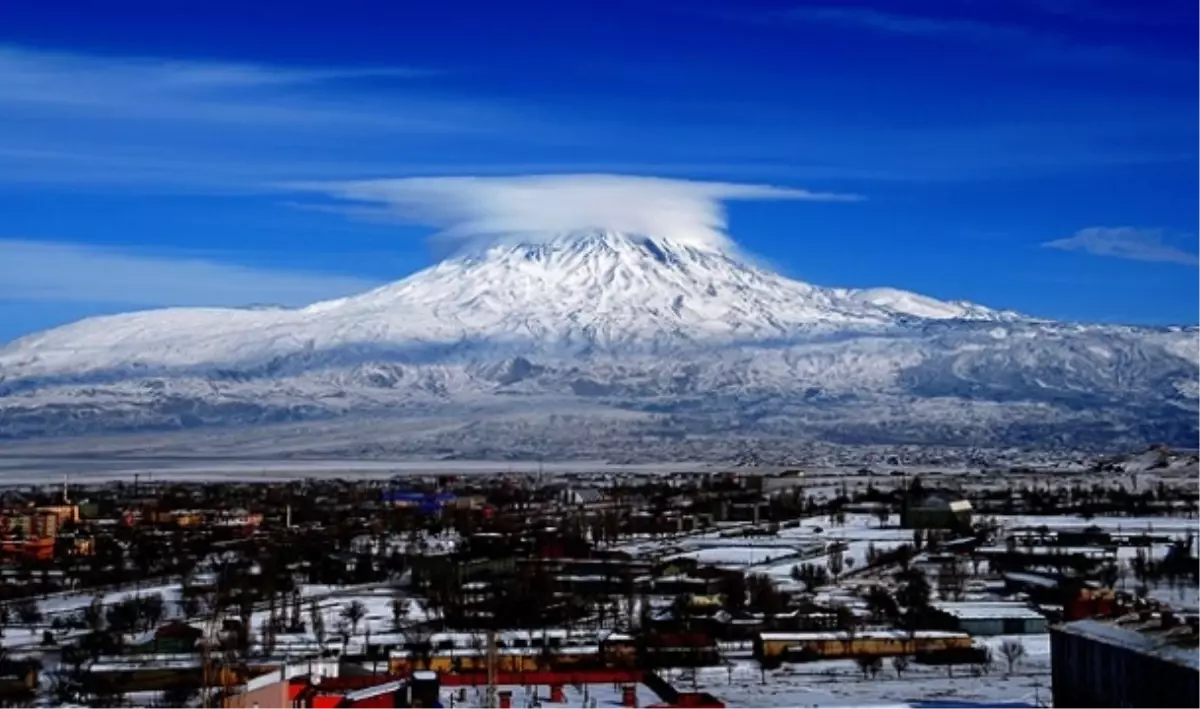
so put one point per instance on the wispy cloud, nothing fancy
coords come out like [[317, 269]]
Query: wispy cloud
[[23, 68], [1028, 42], [909, 24], [1132, 243], [64, 272], [1117, 12], [185, 90], [477, 211], [145, 118], [103, 122]]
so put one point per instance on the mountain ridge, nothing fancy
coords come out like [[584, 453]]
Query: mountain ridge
[[710, 285], [628, 321]]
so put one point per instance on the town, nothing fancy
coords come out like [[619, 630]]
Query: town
[[1063, 586]]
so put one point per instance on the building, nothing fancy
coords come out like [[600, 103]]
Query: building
[[773, 483], [175, 637], [283, 686], [18, 682], [427, 503], [990, 618], [580, 497], [179, 518], [37, 522], [1143, 660], [31, 532], [937, 509]]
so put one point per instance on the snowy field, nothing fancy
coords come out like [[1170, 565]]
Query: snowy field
[[331, 599], [1173, 526], [840, 683], [34, 470], [834, 683]]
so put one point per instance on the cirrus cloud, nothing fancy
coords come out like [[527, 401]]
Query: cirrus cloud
[[1131, 243], [41, 271]]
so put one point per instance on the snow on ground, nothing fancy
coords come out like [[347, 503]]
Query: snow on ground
[[834, 683], [19, 637], [78, 601], [377, 619], [1172, 526], [839, 683], [1181, 595], [736, 555], [802, 543], [604, 695]]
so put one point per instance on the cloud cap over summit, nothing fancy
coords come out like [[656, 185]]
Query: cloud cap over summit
[[476, 212]]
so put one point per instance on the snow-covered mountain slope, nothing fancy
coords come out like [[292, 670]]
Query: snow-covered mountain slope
[[635, 322], [596, 291]]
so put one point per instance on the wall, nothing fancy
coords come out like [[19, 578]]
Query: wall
[[1088, 673], [1001, 626], [981, 626], [272, 695]]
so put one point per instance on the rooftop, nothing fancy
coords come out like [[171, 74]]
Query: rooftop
[[988, 610], [1176, 644]]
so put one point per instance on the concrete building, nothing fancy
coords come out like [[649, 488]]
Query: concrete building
[[1141, 661], [990, 618]]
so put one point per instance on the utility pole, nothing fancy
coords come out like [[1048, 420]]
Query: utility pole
[[492, 658]]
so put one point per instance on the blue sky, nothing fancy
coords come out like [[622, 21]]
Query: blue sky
[[1039, 155]]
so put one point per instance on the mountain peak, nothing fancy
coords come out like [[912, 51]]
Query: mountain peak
[[537, 246], [599, 315], [573, 292]]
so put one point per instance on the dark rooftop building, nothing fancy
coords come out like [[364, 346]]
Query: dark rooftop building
[[935, 509], [1149, 660]]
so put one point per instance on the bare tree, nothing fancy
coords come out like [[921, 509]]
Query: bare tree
[[27, 612], [317, 623], [399, 613], [342, 628], [869, 665], [1012, 651], [848, 623], [952, 580], [986, 662], [268, 636], [900, 664], [353, 613], [836, 560], [93, 615]]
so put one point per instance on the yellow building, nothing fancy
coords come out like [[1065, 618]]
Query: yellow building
[[838, 644]]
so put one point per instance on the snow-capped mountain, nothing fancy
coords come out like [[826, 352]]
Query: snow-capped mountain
[[577, 293], [696, 334]]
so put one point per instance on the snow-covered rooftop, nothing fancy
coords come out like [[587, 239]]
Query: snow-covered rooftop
[[987, 610], [1154, 642]]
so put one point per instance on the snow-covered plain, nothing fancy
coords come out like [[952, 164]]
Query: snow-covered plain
[[840, 683]]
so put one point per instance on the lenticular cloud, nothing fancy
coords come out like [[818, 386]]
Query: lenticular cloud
[[476, 212]]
